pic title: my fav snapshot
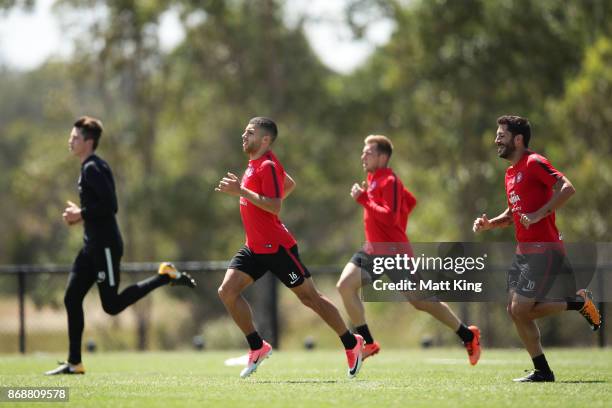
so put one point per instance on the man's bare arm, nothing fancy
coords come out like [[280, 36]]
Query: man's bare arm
[[288, 186], [503, 220]]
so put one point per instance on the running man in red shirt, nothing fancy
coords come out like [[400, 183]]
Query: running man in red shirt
[[271, 247], [534, 190], [387, 205]]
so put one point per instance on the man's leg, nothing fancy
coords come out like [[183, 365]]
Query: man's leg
[[470, 336], [563, 285], [520, 310], [230, 292], [315, 300], [548, 269], [80, 280], [234, 283], [348, 286], [530, 275], [543, 309], [288, 267], [353, 344], [108, 261], [439, 310]]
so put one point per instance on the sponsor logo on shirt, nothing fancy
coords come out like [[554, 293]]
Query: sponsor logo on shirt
[[514, 198]]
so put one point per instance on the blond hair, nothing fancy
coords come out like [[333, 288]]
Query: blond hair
[[383, 144]]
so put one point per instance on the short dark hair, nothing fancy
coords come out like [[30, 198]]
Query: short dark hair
[[266, 124], [517, 126], [383, 144], [90, 128]]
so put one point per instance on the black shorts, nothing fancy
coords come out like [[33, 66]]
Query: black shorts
[[100, 265], [543, 276], [285, 264], [368, 276], [366, 262]]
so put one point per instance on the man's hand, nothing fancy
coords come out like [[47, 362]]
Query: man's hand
[[357, 190], [72, 214], [531, 218], [229, 184], [482, 224]]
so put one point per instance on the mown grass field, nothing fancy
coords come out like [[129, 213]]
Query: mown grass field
[[394, 378]]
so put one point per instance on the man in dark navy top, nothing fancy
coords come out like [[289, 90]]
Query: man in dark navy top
[[534, 191], [99, 259]]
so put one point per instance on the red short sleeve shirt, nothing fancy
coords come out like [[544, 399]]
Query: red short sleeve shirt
[[528, 187], [264, 230]]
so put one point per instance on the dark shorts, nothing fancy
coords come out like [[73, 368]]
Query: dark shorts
[[543, 276], [285, 264], [99, 265], [366, 263]]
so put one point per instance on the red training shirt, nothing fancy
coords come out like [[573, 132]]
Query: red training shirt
[[387, 205], [264, 230], [528, 187]]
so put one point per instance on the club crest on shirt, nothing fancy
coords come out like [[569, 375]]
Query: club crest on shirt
[[101, 276], [518, 178], [372, 186], [249, 171]]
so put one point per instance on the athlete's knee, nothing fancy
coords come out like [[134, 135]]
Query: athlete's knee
[[308, 301], [509, 310], [223, 293], [71, 299], [344, 287], [520, 310], [226, 293], [311, 300], [111, 307]]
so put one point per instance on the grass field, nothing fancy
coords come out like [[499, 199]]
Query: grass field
[[432, 378]]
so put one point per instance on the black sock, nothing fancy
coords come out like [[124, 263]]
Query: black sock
[[573, 305], [365, 333], [348, 340], [465, 334], [154, 282], [255, 341], [540, 364]]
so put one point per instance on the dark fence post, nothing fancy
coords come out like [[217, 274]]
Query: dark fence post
[[274, 312], [601, 273], [602, 330], [21, 289], [263, 298]]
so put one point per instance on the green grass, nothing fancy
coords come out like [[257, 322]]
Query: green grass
[[431, 378]]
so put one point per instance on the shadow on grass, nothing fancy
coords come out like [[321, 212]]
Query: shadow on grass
[[298, 382]]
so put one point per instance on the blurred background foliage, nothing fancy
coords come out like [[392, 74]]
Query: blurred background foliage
[[173, 121]]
